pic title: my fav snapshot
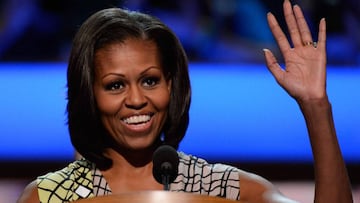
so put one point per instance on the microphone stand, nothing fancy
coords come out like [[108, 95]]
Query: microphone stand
[[165, 182], [165, 176]]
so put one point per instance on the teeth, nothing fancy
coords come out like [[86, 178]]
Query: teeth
[[137, 119]]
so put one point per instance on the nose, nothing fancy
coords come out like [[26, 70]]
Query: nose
[[135, 98]]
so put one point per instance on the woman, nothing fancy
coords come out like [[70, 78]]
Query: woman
[[129, 93]]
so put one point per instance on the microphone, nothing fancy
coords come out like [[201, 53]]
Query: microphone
[[165, 165]]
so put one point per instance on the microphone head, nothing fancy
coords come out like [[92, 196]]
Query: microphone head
[[165, 163]]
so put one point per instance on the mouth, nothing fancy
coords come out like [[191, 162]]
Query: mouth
[[137, 119]]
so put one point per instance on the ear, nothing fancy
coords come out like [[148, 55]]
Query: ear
[[169, 83]]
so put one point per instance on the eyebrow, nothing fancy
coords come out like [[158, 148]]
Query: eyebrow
[[141, 73]]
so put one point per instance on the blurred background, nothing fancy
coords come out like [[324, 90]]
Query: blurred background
[[224, 41], [210, 30]]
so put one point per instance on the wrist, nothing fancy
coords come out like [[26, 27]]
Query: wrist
[[322, 102]]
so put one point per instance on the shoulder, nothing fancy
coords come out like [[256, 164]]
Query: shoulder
[[75, 170], [30, 194], [69, 183], [206, 178], [249, 186]]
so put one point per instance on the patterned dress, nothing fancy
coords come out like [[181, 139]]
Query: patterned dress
[[81, 179]]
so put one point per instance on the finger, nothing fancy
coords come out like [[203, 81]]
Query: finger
[[292, 24], [302, 25], [322, 34], [273, 65], [278, 34]]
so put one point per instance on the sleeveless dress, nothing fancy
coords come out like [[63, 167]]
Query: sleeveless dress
[[81, 179]]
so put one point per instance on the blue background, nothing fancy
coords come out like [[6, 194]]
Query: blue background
[[238, 113]]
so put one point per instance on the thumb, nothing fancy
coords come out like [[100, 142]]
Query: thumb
[[273, 65]]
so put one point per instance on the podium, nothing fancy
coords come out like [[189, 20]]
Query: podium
[[157, 197]]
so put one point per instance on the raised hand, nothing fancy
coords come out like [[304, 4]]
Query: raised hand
[[304, 74], [304, 78]]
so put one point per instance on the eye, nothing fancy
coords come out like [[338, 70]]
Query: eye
[[150, 81], [113, 86]]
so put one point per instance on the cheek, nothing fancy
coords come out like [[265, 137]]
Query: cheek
[[161, 100], [106, 104]]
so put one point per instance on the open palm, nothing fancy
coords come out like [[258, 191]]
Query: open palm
[[304, 74]]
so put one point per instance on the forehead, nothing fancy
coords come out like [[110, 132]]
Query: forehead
[[129, 53], [133, 44]]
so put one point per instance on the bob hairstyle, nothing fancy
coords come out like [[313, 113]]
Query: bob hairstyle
[[115, 25]]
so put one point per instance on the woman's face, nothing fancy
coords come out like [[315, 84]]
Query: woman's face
[[131, 92]]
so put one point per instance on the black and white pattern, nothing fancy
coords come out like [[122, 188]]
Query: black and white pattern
[[69, 184], [81, 179], [101, 187], [198, 176], [195, 176]]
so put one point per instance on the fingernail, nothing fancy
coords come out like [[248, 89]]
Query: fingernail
[[266, 51]]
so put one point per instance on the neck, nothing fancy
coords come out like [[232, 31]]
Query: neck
[[131, 170], [132, 158]]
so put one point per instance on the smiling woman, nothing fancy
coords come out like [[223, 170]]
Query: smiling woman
[[132, 92], [129, 93]]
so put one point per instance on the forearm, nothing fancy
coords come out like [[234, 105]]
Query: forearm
[[331, 178]]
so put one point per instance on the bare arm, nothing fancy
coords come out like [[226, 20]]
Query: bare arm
[[254, 188], [304, 78], [331, 179], [30, 194]]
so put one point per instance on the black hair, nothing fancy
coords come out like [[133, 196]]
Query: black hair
[[114, 25]]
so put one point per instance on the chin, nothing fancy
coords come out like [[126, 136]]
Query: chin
[[141, 144]]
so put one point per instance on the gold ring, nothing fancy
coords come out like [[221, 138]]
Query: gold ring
[[314, 44]]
